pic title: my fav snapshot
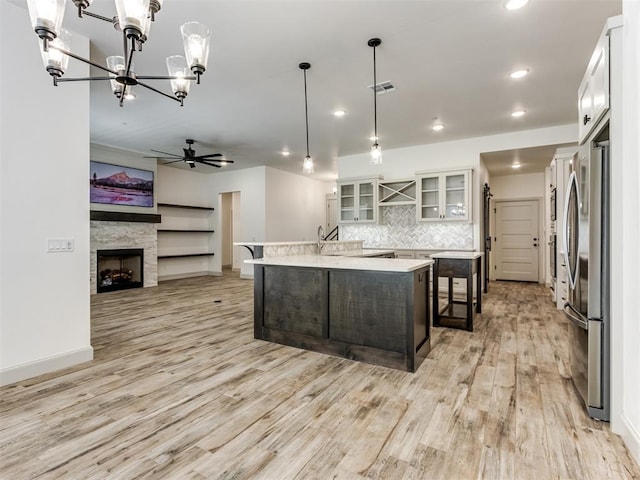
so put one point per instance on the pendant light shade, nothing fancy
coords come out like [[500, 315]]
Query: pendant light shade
[[179, 71], [307, 164], [132, 16], [196, 38], [376, 150], [54, 60], [46, 17], [117, 64]]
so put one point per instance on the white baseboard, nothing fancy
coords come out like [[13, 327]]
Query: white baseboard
[[178, 276], [631, 438], [247, 276], [46, 365]]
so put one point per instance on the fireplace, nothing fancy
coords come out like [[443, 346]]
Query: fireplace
[[119, 269]]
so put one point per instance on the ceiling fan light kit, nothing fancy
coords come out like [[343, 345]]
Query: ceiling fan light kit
[[376, 150], [133, 19]]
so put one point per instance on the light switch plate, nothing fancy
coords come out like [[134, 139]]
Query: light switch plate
[[55, 245]]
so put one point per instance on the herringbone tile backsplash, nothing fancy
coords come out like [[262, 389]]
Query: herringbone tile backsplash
[[398, 228]]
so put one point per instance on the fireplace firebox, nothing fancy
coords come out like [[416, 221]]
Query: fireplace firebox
[[119, 269]]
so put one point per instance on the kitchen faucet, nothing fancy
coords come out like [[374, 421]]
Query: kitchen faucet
[[320, 238]]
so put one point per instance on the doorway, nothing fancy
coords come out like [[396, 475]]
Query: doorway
[[517, 240], [229, 230]]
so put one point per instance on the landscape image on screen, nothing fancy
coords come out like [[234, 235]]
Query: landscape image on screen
[[118, 185]]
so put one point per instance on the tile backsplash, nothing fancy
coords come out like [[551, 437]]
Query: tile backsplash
[[398, 228]]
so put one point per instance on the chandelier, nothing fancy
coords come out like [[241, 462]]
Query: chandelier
[[133, 19]]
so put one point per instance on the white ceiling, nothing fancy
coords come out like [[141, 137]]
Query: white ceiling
[[448, 59]]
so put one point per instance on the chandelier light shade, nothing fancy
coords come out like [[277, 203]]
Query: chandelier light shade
[[307, 164], [46, 18], [178, 71], [54, 60], [133, 19], [376, 150], [196, 38], [132, 16]]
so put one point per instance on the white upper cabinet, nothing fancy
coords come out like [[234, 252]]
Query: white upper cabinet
[[593, 94], [358, 201], [444, 197]]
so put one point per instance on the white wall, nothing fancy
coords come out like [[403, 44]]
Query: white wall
[[295, 206], [44, 193], [509, 187], [404, 162], [237, 223], [625, 258]]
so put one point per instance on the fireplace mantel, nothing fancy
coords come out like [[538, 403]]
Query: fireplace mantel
[[104, 216]]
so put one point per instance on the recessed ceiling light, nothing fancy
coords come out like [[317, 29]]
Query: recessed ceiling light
[[373, 138], [339, 113], [518, 113], [515, 4], [519, 73], [285, 153], [223, 163], [516, 166], [437, 127]]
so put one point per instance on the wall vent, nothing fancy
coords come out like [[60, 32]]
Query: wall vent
[[383, 87]]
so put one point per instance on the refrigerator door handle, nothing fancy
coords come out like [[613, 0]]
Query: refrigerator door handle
[[573, 184], [575, 316]]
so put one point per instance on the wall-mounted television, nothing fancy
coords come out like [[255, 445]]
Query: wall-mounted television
[[119, 185]]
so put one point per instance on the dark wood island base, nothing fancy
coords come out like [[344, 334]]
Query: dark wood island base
[[378, 317]]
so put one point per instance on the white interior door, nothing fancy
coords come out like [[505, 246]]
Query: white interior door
[[517, 245]]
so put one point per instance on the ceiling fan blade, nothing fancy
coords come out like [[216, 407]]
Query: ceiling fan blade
[[166, 153], [212, 155], [204, 162], [174, 161]]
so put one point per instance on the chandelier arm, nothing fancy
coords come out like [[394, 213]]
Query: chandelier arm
[[129, 56], [83, 79], [79, 58], [159, 91], [99, 17], [163, 77]]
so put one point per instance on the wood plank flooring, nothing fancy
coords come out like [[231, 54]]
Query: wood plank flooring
[[179, 389]]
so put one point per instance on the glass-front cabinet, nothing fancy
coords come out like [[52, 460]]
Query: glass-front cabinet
[[358, 201], [444, 197]]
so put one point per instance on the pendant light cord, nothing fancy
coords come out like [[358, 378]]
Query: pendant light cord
[[306, 110], [375, 95]]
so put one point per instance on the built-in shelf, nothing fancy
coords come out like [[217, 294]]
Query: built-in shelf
[[183, 255], [192, 207]]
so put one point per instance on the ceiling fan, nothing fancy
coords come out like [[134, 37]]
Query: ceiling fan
[[190, 157]]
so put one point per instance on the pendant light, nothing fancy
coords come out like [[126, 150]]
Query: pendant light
[[307, 164], [376, 151]]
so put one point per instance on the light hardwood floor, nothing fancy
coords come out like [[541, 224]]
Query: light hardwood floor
[[179, 389]]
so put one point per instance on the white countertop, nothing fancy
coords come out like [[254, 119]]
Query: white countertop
[[282, 244], [458, 255], [345, 263], [365, 252]]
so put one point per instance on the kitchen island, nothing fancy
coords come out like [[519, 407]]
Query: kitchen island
[[374, 310]]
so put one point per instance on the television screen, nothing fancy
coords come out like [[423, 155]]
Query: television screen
[[118, 185]]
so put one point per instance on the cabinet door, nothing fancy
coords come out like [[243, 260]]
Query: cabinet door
[[367, 202], [585, 108], [429, 198], [455, 196], [347, 199]]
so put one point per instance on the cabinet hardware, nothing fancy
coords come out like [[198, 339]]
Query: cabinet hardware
[[586, 119]]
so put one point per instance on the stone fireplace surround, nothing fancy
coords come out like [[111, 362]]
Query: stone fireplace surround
[[111, 235]]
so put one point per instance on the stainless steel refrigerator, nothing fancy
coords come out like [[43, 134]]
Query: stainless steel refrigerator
[[586, 241]]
